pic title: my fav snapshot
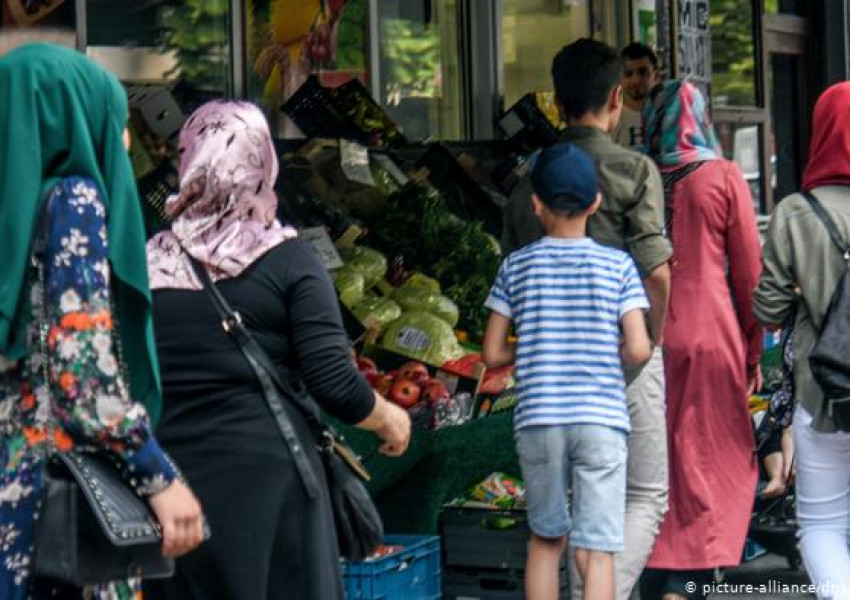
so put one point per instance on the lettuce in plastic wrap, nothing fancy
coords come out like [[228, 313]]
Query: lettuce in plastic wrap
[[381, 311], [349, 285], [366, 261], [416, 299], [422, 336]]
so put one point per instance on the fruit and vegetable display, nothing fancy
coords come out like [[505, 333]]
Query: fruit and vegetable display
[[417, 230], [499, 490], [429, 399]]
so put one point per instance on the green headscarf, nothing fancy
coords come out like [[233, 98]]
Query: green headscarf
[[60, 116]]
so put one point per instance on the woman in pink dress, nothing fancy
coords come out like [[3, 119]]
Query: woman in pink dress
[[712, 345]]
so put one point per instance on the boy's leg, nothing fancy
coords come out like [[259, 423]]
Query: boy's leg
[[542, 458], [646, 492], [542, 571], [597, 573], [598, 461]]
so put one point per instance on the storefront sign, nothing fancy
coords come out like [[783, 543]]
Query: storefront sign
[[694, 42]]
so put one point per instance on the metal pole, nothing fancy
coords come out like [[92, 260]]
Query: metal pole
[[82, 25], [239, 56], [375, 51]]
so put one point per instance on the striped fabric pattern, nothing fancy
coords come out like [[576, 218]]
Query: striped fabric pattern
[[566, 298]]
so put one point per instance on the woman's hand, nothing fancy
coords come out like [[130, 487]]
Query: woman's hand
[[180, 516], [396, 431], [754, 381], [390, 423]]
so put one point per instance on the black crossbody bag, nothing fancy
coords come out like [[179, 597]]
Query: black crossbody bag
[[830, 358], [358, 525], [93, 528]]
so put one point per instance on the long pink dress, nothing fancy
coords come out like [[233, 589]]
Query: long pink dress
[[711, 339]]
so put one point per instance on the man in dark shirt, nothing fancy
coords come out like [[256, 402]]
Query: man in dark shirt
[[586, 77]]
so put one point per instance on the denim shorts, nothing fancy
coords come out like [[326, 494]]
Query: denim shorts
[[589, 461]]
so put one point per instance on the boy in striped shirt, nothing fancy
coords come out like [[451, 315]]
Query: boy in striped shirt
[[577, 309]]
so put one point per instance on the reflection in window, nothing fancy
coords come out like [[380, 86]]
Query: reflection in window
[[784, 7], [741, 143], [532, 33], [288, 40], [183, 41], [420, 76], [733, 53]]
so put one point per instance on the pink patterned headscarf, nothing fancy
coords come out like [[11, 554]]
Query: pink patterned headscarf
[[225, 212]]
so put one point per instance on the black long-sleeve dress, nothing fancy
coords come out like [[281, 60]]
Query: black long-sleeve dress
[[269, 540]]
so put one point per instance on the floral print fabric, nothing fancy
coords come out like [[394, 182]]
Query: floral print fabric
[[79, 397]]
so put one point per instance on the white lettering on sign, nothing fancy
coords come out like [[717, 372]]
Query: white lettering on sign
[[694, 43]]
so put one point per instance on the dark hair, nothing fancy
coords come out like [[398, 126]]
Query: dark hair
[[584, 73], [637, 51], [568, 206]]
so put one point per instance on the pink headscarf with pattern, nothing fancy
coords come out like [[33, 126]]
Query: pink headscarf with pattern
[[225, 212]]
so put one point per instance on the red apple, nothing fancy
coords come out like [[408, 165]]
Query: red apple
[[434, 391], [405, 393], [372, 377], [415, 371]]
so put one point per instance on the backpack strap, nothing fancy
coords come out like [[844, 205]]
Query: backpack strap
[[830, 225]]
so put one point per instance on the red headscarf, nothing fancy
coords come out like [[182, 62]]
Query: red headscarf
[[829, 154]]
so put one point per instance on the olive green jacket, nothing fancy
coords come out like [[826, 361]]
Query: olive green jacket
[[801, 263], [631, 216]]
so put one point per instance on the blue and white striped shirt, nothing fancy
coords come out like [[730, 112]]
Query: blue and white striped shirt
[[566, 297]]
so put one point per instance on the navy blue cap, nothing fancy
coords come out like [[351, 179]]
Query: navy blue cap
[[564, 178]]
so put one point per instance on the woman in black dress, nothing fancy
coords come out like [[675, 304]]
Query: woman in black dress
[[269, 539]]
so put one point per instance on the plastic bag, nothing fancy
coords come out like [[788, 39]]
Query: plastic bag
[[422, 336], [419, 299], [371, 264]]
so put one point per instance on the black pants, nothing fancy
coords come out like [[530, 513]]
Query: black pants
[[269, 540], [654, 583]]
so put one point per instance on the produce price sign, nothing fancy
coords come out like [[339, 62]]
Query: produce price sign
[[321, 241]]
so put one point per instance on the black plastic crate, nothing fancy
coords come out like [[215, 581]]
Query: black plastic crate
[[313, 109], [483, 538], [465, 584]]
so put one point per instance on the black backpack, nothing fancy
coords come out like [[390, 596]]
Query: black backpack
[[830, 359]]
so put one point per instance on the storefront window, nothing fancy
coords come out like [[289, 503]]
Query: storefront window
[[741, 143], [420, 78], [185, 42], [784, 7], [288, 40], [532, 33], [733, 81], [54, 14]]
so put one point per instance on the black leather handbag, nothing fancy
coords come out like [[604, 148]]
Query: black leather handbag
[[359, 528], [830, 358], [93, 527]]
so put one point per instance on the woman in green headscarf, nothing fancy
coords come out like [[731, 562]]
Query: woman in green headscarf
[[75, 318]]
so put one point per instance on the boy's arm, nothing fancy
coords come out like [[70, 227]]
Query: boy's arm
[[636, 347], [497, 350], [646, 243]]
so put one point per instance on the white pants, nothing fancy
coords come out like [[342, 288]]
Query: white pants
[[823, 505]]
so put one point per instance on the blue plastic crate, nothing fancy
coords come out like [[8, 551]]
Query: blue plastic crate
[[412, 574]]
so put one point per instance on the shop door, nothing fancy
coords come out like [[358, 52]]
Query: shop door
[[787, 100]]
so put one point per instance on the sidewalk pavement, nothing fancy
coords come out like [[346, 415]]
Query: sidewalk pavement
[[769, 577]]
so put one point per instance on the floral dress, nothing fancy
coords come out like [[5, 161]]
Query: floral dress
[[77, 399]]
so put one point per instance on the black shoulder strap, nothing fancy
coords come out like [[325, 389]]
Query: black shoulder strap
[[270, 380], [830, 225]]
